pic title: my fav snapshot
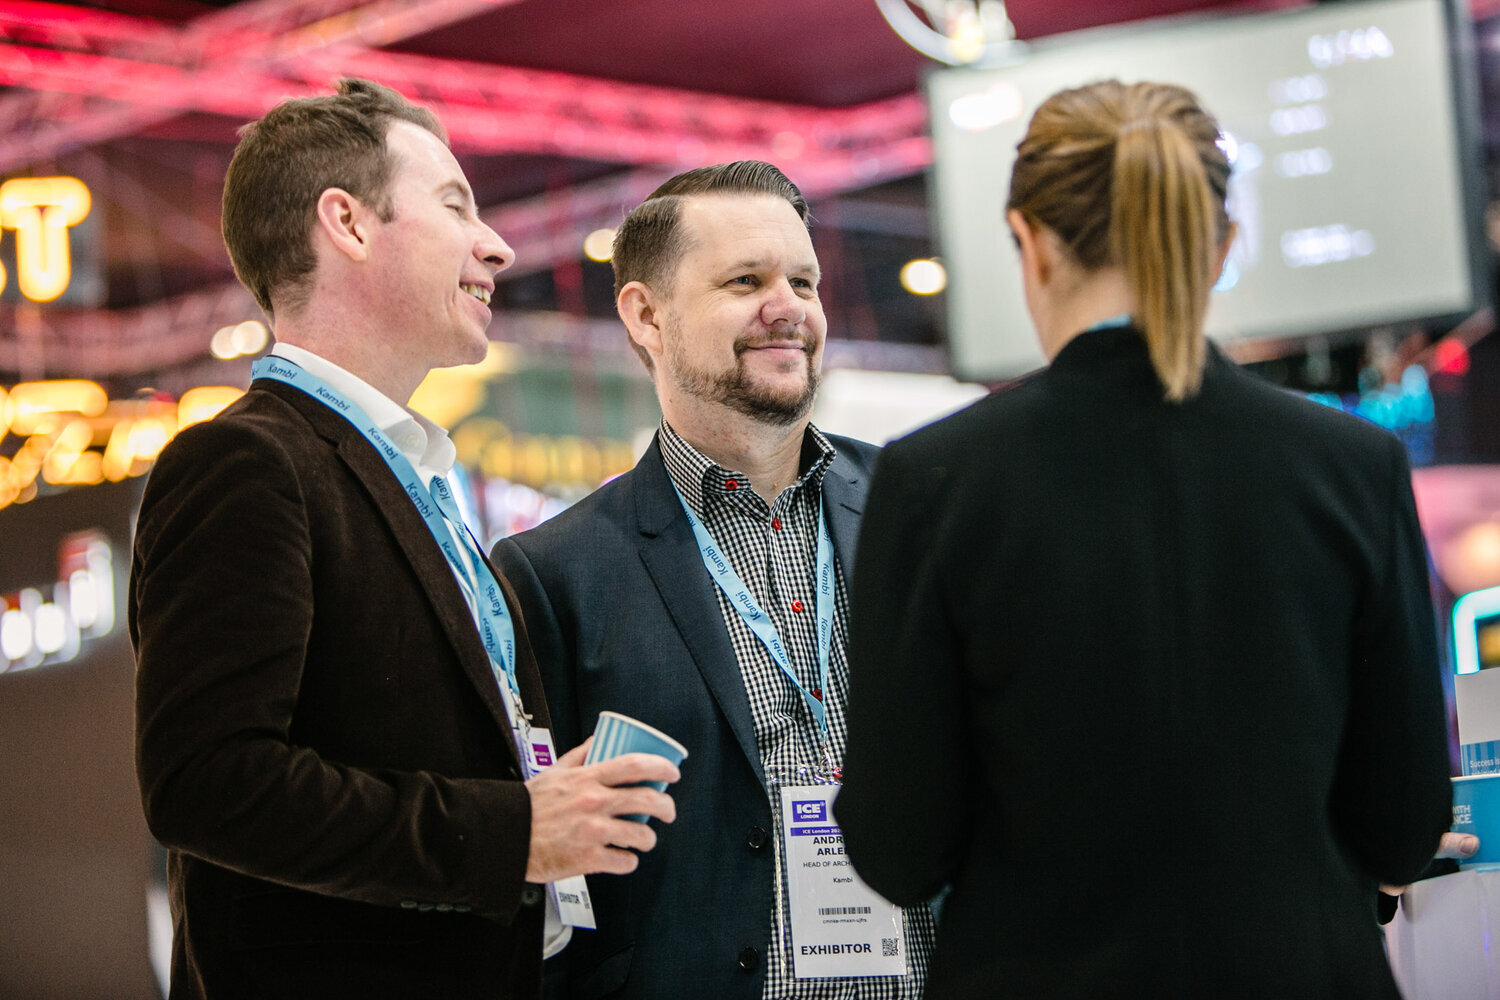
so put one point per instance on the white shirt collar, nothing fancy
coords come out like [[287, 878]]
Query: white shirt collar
[[424, 443]]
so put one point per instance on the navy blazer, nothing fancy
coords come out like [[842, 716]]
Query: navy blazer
[[623, 616], [320, 740]]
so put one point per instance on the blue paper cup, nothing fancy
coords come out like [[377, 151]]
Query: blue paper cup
[[618, 734], [1476, 810]]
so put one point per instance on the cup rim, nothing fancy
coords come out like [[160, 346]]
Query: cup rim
[[641, 725]]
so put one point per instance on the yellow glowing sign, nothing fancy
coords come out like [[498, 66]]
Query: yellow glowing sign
[[536, 460], [43, 407], [41, 210], [76, 435]]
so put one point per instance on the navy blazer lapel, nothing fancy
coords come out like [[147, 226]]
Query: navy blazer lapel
[[427, 560], [671, 556], [844, 491]]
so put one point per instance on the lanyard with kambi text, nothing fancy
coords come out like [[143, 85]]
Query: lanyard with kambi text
[[760, 623], [495, 626]]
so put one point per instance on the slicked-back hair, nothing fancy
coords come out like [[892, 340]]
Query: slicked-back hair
[[650, 244], [283, 164], [1133, 177]]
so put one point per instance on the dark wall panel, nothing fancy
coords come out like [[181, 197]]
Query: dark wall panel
[[75, 857]]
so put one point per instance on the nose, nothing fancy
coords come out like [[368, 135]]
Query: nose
[[783, 305], [493, 250]]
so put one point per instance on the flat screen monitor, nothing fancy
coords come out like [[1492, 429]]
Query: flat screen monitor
[[1353, 133]]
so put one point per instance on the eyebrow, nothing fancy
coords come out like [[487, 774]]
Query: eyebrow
[[759, 264], [459, 188]]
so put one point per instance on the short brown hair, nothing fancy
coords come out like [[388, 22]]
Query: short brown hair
[[284, 163], [1133, 177], [650, 244]]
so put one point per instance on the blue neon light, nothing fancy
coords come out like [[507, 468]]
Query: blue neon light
[[1468, 611]]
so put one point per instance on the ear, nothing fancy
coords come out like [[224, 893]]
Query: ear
[[640, 311], [342, 219], [1223, 252], [1036, 256]]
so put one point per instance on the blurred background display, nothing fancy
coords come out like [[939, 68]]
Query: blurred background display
[[1355, 181]]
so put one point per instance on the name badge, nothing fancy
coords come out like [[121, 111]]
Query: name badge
[[535, 750], [840, 926], [573, 904], [569, 895]]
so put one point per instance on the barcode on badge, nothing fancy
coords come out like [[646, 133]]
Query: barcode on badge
[[841, 911], [890, 947]]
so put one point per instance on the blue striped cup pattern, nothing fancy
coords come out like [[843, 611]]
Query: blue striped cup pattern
[[618, 734]]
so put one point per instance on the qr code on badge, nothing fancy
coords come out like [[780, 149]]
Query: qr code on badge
[[890, 947]]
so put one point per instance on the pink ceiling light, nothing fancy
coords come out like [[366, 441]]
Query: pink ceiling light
[[236, 40]]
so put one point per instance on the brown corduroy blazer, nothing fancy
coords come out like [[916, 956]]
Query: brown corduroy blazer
[[320, 740]]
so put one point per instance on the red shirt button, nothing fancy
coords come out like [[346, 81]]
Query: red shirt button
[[776, 524], [797, 606], [731, 484], [818, 693]]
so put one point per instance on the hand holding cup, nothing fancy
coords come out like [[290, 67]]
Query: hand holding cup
[[618, 734]]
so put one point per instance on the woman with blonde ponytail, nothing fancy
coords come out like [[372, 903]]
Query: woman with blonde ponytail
[[1142, 658], [1138, 196]]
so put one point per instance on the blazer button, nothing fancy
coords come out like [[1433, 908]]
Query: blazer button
[[756, 838], [531, 895], [749, 959]]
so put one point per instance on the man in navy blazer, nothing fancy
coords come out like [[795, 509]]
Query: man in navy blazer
[[716, 281], [323, 740]]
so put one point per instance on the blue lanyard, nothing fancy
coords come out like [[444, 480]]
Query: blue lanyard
[[759, 622], [495, 626]]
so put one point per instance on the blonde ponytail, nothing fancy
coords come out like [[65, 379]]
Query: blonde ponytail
[[1133, 177], [1162, 233]]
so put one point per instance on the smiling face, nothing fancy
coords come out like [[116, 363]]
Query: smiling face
[[434, 261], [741, 323]]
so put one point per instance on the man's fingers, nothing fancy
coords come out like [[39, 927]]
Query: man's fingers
[[630, 768], [628, 834], [614, 861], [575, 756], [643, 801]]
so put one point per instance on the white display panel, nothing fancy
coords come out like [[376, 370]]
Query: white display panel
[[1349, 185]]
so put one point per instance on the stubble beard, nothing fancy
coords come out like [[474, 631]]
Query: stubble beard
[[737, 390]]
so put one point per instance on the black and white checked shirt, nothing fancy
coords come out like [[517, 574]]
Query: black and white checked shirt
[[774, 550]]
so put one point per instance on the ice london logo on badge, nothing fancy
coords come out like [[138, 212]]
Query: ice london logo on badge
[[810, 811]]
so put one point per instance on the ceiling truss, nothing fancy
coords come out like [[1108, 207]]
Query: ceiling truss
[[82, 76], [142, 73]]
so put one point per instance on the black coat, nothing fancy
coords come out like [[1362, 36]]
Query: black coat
[[1154, 686], [321, 743]]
